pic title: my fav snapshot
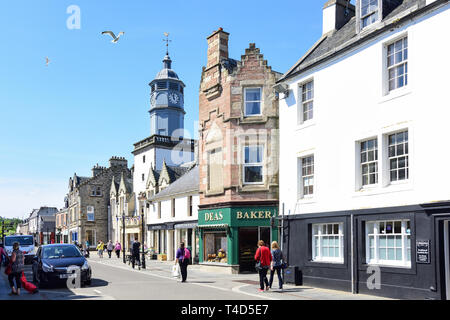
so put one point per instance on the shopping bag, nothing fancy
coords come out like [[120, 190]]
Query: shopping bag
[[31, 288], [176, 271], [8, 270]]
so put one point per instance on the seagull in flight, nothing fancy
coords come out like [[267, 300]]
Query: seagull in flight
[[46, 61], [115, 39]]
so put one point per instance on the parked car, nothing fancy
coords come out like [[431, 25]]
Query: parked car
[[51, 264], [26, 245]]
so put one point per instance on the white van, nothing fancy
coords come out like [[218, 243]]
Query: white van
[[26, 245]]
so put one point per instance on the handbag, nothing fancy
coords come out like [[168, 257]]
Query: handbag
[[258, 263], [8, 270], [283, 265]]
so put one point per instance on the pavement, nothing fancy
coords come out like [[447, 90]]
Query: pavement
[[112, 279]]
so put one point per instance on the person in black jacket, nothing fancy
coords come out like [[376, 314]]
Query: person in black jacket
[[135, 253]]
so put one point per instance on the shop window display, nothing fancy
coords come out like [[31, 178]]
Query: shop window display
[[216, 247]]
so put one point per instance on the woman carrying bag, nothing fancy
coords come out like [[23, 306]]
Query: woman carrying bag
[[277, 257], [17, 266], [263, 259]]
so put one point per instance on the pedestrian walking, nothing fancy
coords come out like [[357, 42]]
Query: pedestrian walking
[[275, 266], [117, 248], [135, 249], [87, 244], [17, 266], [3, 254], [263, 259], [182, 258], [100, 248], [110, 248]]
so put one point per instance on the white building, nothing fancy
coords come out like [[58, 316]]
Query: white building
[[362, 149], [172, 215]]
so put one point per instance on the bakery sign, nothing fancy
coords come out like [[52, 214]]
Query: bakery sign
[[261, 214]]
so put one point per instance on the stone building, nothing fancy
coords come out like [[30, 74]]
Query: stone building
[[89, 200], [238, 154], [41, 224]]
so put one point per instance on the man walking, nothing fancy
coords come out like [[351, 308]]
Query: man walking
[[135, 253], [182, 258], [110, 248]]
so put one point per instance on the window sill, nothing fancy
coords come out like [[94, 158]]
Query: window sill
[[328, 261], [306, 200], [304, 125], [392, 187], [397, 93]]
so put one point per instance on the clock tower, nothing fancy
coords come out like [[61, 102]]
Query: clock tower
[[167, 102]]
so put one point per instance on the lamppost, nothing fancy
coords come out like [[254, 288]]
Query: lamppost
[[143, 239], [123, 237]]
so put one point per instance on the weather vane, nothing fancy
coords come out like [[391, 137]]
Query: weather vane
[[166, 34]]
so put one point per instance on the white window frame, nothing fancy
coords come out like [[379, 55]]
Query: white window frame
[[260, 101], [300, 177], [300, 107], [368, 162], [90, 213], [406, 154], [405, 242], [361, 17], [253, 164], [394, 66], [317, 241]]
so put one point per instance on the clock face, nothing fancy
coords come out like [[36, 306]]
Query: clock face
[[174, 98]]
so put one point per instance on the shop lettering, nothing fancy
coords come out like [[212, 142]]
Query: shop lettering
[[254, 215], [213, 216]]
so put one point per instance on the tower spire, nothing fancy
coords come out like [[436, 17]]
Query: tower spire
[[166, 40]]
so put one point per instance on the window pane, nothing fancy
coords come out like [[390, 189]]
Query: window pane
[[382, 254], [381, 228], [253, 174], [253, 94], [370, 228], [391, 254], [325, 252], [398, 254], [390, 241], [330, 229], [371, 242], [336, 229], [252, 108], [383, 242], [397, 227], [389, 227], [325, 241]]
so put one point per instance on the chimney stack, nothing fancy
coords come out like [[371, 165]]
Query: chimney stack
[[217, 47], [336, 13]]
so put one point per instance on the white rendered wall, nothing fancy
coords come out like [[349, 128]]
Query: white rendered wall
[[350, 105]]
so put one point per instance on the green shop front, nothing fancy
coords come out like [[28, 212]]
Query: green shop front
[[229, 236]]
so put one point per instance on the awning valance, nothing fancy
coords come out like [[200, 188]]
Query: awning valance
[[214, 226]]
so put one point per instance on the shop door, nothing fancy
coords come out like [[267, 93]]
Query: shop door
[[447, 258], [248, 243], [264, 234]]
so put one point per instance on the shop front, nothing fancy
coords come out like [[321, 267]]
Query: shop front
[[187, 232], [228, 236]]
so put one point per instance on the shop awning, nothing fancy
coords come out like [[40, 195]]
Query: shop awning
[[213, 226], [186, 225]]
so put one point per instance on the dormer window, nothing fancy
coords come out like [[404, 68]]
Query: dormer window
[[369, 12]]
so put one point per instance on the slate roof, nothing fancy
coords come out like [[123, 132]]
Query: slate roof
[[337, 41], [188, 182]]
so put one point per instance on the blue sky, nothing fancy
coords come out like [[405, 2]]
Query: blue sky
[[92, 101]]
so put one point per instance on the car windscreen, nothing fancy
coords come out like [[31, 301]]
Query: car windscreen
[[23, 241], [60, 252]]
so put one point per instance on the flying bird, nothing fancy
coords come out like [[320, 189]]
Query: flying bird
[[115, 39], [46, 61]]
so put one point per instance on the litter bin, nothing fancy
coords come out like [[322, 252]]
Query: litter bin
[[292, 275]]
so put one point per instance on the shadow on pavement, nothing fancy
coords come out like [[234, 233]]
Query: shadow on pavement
[[97, 283], [200, 281]]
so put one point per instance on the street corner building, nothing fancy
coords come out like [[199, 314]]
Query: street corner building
[[363, 116], [88, 203], [238, 156]]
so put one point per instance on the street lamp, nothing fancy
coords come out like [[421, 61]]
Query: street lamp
[[143, 240], [123, 237]]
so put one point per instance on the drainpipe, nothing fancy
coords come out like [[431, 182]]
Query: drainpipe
[[351, 254]]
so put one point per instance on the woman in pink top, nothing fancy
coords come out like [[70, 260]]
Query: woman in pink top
[[117, 248]]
